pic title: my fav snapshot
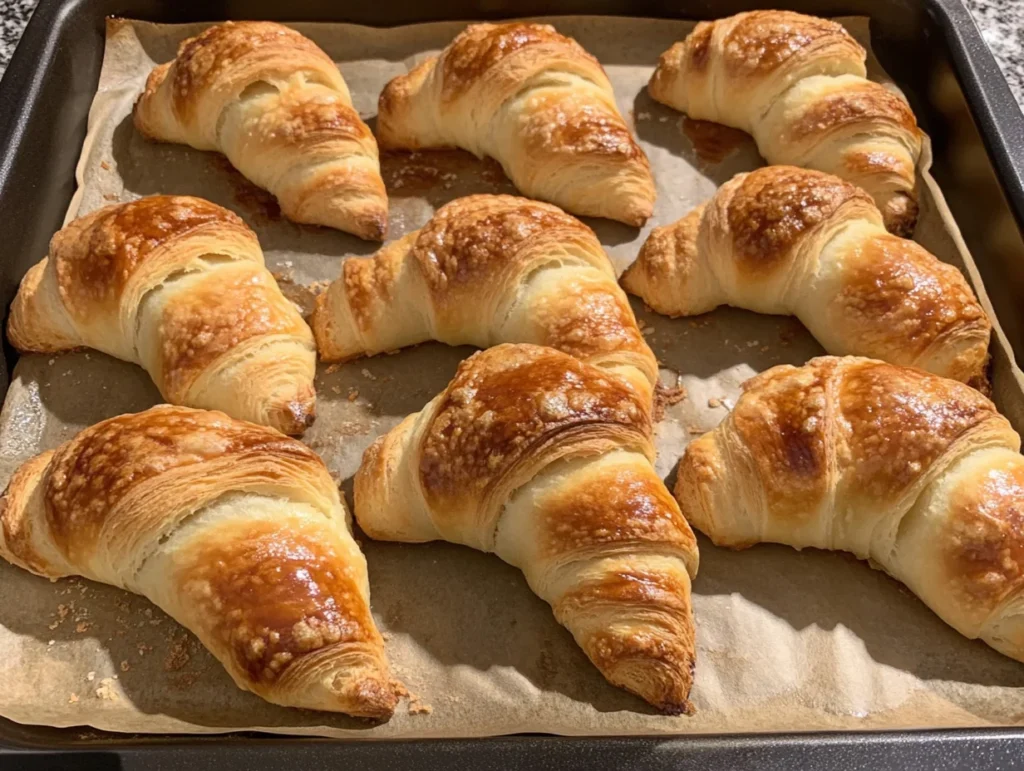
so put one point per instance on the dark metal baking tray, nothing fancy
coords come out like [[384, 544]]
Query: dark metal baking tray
[[931, 48]]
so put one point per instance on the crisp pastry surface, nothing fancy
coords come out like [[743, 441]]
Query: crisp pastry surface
[[782, 239], [546, 461], [536, 102], [233, 529], [178, 285], [917, 473], [279, 109], [484, 270], [797, 84]]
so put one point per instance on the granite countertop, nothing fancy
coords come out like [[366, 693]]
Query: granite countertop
[[1001, 23]]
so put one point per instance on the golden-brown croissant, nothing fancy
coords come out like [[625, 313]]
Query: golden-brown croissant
[[546, 461], [176, 284], [536, 102], [277, 107], [917, 473], [787, 240], [488, 269], [234, 530], [797, 84]]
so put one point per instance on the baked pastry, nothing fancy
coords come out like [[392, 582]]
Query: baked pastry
[[797, 84], [536, 102], [546, 461], [487, 269], [787, 240], [916, 473], [176, 284], [234, 530], [279, 109]]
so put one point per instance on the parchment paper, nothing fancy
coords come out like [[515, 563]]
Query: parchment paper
[[786, 639]]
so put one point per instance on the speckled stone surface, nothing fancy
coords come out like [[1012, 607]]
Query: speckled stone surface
[[1001, 23]]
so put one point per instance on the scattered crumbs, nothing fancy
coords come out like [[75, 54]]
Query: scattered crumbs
[[714, 402], [88, 357], [666, 396], [125, 666], [90, 676], [367, 374], [318, 287], [106, 690], [353, 394], [648, 330], [73, 698], [82, 626], [763, 348], [695, 430], [286, 264], [105, 165], [51, 642], [178, 656], [148, 613], [662, 119], [51, 362], [350, 428], [332, 368], [53, 626], [109, 197], [336, 389], [643, 116], [419, 708], [144, 649], [753, 343]]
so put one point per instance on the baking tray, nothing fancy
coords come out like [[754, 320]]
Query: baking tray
[[930, 47]]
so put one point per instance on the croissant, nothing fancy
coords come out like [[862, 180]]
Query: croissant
[[536, 102], [546, 461], [277, 107], [488, 269], [797, 84], [234, 530], [177, 285], [917, 473], [787, 240]]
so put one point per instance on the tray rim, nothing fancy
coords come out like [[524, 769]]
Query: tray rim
[[1000, 123]]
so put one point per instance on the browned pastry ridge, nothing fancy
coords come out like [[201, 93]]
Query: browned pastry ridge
[[916, 473], [797, 84], [796, 241], [546, 461], [488, 269], [536, 102], [279, 109], [178, 285], [234, 530]]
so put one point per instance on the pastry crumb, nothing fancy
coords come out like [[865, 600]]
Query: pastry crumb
[[106, 690], [353, 394], [714, 402], [105, 165], [82, 626], [125, 666], [418, 708], [367, 374], [73, 698], [178, 656], [696, 430]]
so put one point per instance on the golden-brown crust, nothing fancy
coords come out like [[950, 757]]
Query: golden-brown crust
[[205, 61], [984, 537], [621, 509], [775, 207], [863, 102], [760, 42], [93, 472], [471, 239], [273, 594], [901, 421], [481, 47], [96, 255], [503, 404], [656, 667], [893, 290], [212, 320]]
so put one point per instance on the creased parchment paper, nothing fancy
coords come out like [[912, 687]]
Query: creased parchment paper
[[786, 640]]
